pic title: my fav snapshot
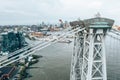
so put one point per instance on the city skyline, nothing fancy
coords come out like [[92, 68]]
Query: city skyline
[[50, 11]]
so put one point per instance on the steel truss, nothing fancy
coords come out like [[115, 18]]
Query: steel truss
[[94, 59], [89, 59], [77, 57]]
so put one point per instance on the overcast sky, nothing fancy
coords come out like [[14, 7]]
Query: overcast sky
[[36, 11]]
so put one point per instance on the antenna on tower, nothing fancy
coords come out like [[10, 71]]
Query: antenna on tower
[[98, 15]]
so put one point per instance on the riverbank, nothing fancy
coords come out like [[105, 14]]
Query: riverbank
[[24, 65]]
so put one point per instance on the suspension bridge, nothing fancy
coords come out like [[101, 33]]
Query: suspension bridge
[[89, 56]]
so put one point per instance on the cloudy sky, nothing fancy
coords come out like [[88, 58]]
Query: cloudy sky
[[36, 11]]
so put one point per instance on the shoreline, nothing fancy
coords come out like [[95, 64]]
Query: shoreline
[[24, 67]]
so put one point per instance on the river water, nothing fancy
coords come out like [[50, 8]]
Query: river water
[[56, 61], [113, 58]]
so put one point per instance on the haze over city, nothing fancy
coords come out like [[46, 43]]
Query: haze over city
[[49, 11]]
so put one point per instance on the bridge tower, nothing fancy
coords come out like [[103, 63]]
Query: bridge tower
[[89, 58]]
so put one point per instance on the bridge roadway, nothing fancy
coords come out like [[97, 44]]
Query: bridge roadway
[[31, 49]]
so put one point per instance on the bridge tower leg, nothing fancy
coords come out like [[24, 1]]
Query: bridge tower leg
[[77, 57]]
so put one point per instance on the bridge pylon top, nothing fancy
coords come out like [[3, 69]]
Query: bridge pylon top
[[98, 23]]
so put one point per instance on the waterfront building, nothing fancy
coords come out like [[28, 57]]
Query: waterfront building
[[11, 41], [7, 72]]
